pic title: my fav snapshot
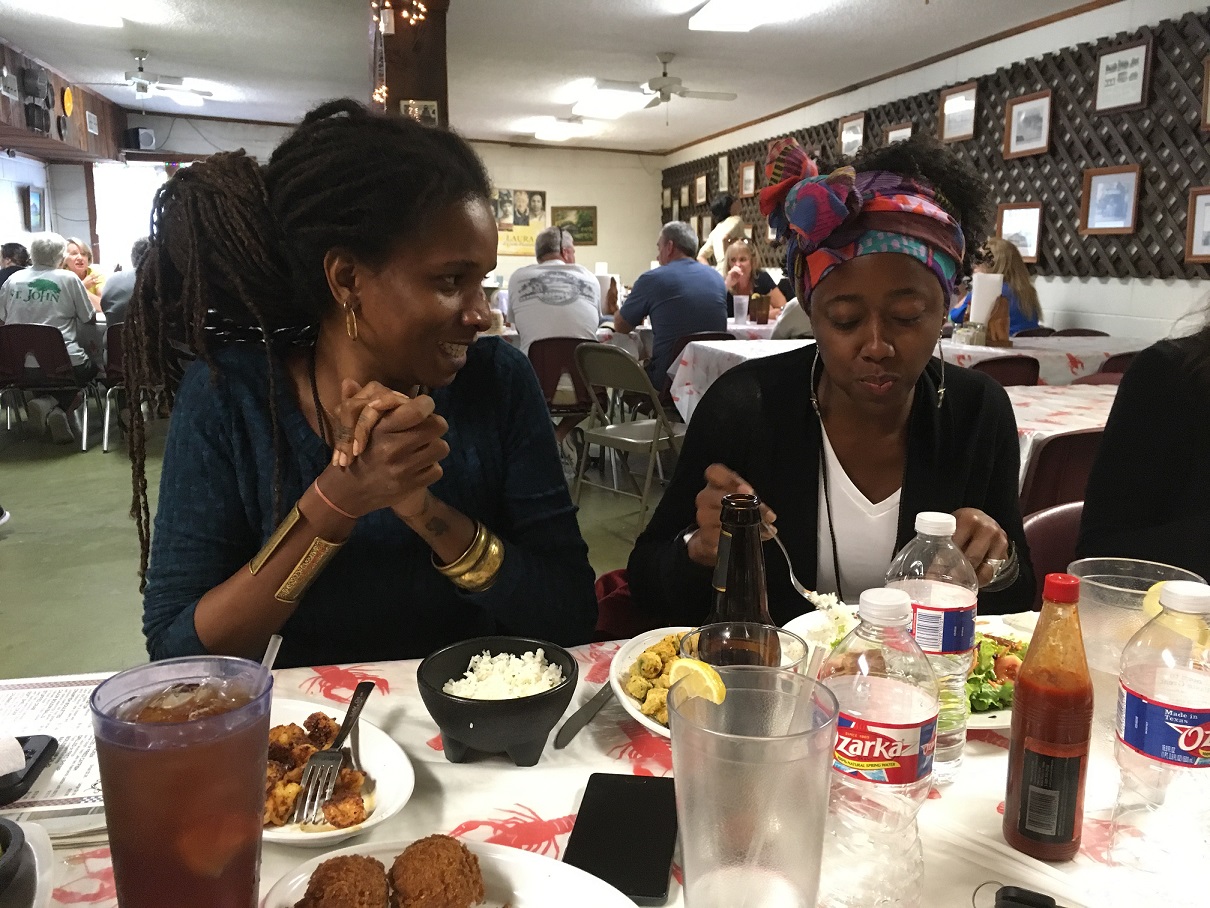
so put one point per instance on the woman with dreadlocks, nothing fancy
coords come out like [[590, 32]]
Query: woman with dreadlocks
[[345, 464], [848, 439]]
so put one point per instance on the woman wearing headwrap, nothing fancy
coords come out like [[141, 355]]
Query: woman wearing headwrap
[[845, 441]]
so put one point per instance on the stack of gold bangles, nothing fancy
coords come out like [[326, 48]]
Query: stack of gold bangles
[[477, 568]]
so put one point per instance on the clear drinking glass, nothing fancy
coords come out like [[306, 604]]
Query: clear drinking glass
[[184, 783], [752, 782], [745, 643]]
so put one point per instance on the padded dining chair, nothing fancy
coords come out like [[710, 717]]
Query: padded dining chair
[[552, 358], [1058, 469], [1119, 362], [53, 372], [1040, 331], [1099, 378], [114, 377], [1052, 534], [603, 367], [1010, 371], [1081, 332]]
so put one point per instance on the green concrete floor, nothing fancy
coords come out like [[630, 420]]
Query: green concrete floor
[[69, 598]]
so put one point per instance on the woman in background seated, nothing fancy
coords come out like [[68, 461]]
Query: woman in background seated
[[1002, 257], [13, 257], [79, 261], [745, 277], [1149, 492], [846, 440], [313, 485], [728, 227]]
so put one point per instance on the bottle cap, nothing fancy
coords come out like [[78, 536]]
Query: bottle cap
[[1186, 596], [935, 523], [885, 607], [1061, 588]]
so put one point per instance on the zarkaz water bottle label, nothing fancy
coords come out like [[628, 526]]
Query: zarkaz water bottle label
[[1162, 731], [942, 631], [885, 752]]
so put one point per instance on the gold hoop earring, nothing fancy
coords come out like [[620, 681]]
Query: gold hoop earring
[[350, 321]]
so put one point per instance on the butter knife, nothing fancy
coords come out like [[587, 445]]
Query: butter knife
[[583, 716]]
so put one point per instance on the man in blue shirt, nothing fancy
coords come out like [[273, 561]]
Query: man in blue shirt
[[682, 296]]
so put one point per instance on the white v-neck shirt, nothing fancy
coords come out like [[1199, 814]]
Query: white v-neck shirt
[[865, 532]]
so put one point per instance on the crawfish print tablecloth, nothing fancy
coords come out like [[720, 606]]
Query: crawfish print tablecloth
[[1061, 360], [1045, 411], [490, 800]]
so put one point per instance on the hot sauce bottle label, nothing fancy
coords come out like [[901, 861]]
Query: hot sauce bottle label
[[885, 752], [940, 631], [1163, 732], [1050, 791]]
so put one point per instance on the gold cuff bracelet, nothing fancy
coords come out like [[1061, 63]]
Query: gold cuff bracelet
[[476, 569]]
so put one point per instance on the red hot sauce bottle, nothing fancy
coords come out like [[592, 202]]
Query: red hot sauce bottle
[[1051, 732]]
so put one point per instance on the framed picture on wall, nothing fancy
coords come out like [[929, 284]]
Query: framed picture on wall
[[747, 179], [852, 134], [958, 112], [707, 224], [667, 197], [1122, 75], [770, 233], [1021, 224], [676, 209], [1027, 125], [684, 196], [33, 208], [1109, 203], [899, 132], [693, 225], [722, 173], [748, 231], [578, 220], [1197, 234], [699, 190]]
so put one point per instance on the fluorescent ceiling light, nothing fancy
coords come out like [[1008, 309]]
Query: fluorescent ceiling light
[[742, 15], [185, 98], [550, 129], [607, 104], [574, 90]]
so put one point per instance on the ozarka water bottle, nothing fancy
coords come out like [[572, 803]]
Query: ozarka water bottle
[[943, 587], [882, 769], [1161, 821]]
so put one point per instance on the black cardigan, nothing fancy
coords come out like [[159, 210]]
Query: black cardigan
[[1148, 494], [757, 420]]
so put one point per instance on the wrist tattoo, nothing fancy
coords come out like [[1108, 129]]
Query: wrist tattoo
[[437, 526]]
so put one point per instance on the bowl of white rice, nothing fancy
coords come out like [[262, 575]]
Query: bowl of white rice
[[497, 695]]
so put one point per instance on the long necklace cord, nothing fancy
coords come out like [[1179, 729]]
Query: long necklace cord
[[823, 472]]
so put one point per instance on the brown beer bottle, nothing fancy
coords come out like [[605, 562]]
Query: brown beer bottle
[[740, 593], [1051, 732]]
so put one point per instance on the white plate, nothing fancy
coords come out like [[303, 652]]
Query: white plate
[[817, 627], [31, 887], [619, 671], [1011, 627], [512, 877], [997, 718], [382, 759]]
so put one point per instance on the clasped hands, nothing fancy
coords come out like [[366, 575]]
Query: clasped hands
[[387, 450], [977, 534]]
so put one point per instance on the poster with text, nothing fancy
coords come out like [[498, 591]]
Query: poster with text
[[520, 214]]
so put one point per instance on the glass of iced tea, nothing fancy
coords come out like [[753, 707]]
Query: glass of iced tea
[[182, 746]]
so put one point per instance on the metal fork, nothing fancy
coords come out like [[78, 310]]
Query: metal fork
[[323, 768], [794, 581]]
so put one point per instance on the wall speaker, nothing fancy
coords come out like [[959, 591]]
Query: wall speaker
[[138, 139]]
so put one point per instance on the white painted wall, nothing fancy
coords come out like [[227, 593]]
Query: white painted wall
[[1135, 308], [68, 200], [189, 136], [15, 173], [624, 187]]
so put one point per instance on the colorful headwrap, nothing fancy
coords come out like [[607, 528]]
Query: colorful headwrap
[[828, 220]]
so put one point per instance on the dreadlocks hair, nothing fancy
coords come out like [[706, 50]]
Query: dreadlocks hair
[[960, 190], [237, 249]]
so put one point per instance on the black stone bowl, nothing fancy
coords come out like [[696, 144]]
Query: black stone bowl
[[517, 727], [12, 843]]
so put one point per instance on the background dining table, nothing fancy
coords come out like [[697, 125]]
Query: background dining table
[[1045, 411], [490, 800]]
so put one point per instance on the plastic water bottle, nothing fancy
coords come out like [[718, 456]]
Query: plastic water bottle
[[944, 592], [1161, 821], [882, 769]]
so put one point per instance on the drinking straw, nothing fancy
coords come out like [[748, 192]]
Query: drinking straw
[[271, 651]]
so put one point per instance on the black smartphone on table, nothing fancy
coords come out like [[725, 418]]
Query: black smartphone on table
[[625, 834]]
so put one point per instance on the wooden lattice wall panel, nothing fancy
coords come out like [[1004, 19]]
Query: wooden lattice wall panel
[[1165, 138]]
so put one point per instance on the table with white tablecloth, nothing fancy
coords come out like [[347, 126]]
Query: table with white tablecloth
[[490, 800], [1061, 360], [1045, 411], [702, 362]]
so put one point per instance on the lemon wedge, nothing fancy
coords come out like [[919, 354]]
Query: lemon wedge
[[1151, 601], [701, 680]]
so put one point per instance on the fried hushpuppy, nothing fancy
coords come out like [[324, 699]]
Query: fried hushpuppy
[[322, 730], [436, 872], [282, 741], [349, 881], [345, 810]]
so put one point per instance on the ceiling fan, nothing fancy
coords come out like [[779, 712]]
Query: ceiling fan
[[664, 86], [144, 82]]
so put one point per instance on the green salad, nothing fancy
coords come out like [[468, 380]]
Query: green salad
[[989, 686]]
